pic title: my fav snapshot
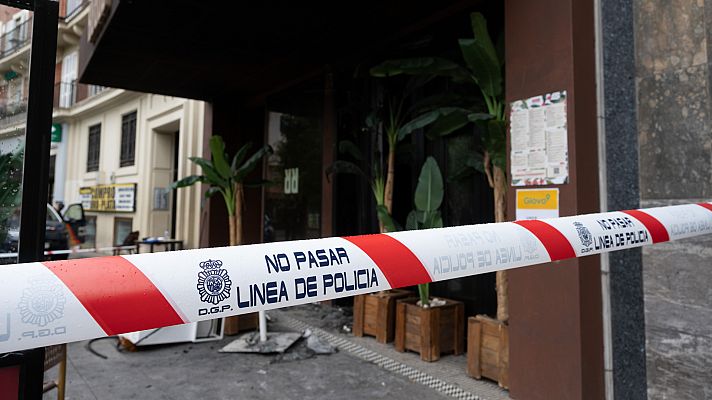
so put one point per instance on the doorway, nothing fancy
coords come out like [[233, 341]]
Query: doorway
[[164, 169], [293, 200]]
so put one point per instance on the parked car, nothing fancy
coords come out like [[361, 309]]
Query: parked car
[[60, 231]]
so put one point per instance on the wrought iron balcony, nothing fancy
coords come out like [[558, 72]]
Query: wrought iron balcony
[[16, 39], [66, 94]]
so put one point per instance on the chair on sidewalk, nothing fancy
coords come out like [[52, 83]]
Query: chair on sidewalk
[[54, 355], [130, 240]]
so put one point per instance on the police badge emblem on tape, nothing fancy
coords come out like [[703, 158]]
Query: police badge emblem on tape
[[213, 282]]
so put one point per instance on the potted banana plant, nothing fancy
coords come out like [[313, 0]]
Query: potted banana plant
[[430, 326], [230, 181], [481, 74], [374, 313]]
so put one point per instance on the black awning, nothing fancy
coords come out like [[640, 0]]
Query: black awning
[[189, 49]]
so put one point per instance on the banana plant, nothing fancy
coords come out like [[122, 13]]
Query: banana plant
[[229, 179], [427, 200], [481, 73]]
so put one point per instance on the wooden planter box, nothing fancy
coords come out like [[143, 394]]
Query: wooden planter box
[[488, 349], [430, 331], [241, 323], [375, 314]]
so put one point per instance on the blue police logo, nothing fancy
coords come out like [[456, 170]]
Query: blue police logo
[[213, 282], [584, 234], [42, 303]]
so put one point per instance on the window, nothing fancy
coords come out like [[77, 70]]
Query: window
[[128, 139], [122, 228], [67, 86], [93, 150], [90, 232]]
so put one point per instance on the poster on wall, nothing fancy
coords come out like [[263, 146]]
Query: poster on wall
[[119, 197], [539, 154], [537, 203]]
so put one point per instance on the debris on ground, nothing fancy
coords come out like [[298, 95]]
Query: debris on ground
[[277, 342]]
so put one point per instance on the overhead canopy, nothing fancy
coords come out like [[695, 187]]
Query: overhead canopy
[[206, 50]]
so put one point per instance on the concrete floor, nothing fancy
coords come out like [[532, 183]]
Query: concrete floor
[[198, 371]]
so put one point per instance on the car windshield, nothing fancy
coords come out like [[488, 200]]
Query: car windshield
[[52, 215]]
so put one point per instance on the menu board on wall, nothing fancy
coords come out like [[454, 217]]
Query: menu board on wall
[[120, 197], [539, 154]]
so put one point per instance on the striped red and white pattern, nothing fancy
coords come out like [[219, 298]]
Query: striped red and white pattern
[[63, 301]]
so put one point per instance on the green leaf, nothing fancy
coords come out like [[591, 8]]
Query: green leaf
[[479, 29], [209, 172], [474, 163], [187, 181], [388, 222], [424, 294], [483, 65], [211, 191], [474, 117], [448, 124], [350, 148], [252, 162], [418, 123], [432, 219], [217, 149], [421, 66], [240, 156], [429, 191]]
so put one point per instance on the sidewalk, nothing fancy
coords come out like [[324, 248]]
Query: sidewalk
[[362, 369]]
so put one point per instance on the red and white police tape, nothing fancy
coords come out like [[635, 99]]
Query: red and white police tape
[[63, 301]]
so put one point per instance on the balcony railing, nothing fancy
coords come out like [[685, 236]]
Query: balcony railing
[[15, 39], [66, 94], [73, 7], [13, 113]]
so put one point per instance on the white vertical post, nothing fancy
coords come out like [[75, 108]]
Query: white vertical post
[[263, 326]]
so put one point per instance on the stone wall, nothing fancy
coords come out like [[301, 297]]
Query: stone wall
[[673, 39]]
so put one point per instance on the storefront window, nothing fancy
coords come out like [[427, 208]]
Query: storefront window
[[90, 232], [293, 201], [122, 228]]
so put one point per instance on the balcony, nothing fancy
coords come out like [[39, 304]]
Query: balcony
[[67, 94], [16, 39], [72, 8], [13, 113]]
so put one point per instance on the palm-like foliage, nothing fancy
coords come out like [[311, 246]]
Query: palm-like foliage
[[426, 215], [482, 72], [228, 179]]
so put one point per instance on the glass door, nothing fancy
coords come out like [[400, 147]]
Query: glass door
[[294, 130]]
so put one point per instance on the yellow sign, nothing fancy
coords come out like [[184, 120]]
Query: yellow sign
[[120, 197], [537, 203]]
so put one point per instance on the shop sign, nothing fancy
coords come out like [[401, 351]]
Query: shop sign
[[291, 181], [56, 133], [537, 203], [119, 197]]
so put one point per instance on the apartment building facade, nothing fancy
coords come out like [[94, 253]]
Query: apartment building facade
[[113, 150]]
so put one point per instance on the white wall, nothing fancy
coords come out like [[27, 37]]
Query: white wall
[[157, 118]]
